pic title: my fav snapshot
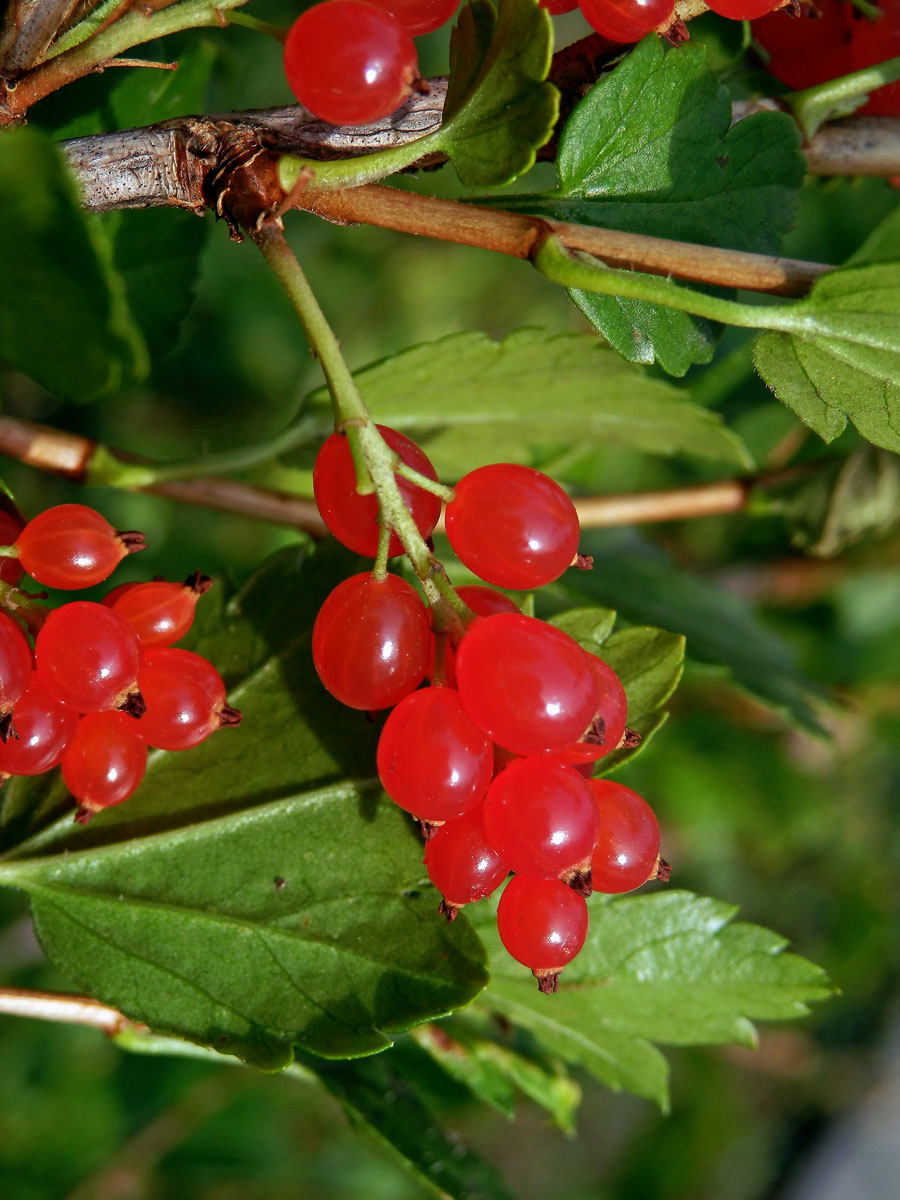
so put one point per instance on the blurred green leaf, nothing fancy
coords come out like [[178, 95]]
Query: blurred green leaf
[[651, 150], [248, 897], [668, 967], [499, 107], [491, 1071], [65, 321], [469, 400], [380, 1093], [841, 503], [843, 360]]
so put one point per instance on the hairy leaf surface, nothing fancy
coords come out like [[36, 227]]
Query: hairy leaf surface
[[469, 400], [667, 967]]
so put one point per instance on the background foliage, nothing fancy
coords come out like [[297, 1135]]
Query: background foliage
[[797, 829]]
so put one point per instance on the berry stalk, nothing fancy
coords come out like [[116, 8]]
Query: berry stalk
[[375, 461]]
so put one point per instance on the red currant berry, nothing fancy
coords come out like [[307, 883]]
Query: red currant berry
[[626, 20], [432, 759], [627, 850], [513, 526], [16, 667], [119, 590], [349, 63], [484, 602], [419, 16], [88, 657], [45, 728], [370, 641], [541, 818], [543, 925], [528, 685], [159, 612], [353, 519], [185, 699], [610, 719], [10, 528], [73, 546], [462, 864], [743, 10], [104, 763]]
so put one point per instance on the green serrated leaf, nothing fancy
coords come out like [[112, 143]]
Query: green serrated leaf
[[499, 107], [668, 967], [651, 150], [248, 897], [469, 400], [840, 358], [68, 326], [590, 627], [842, 502], [380, 1093]]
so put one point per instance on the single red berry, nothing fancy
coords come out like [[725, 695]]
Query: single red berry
[[543, 925], [349, 62], [627, 850], [160, 612], [185, 698], [874, 42], [353, 519], [119, 590], [73, 546], [16, 665], [610, 718], [104, 763], [461, 863], [88, 657], [743, 10], [433, 760], [44, 727], [484, 602], [626, 20], [10, 528], [419, 16], [541, 818], [528, 685], [513, 526], [370, 641]]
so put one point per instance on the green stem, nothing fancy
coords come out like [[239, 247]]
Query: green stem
[[106, 470], [425, 482], [575, 269], [351, 172], [839, 97], [350, 412], [86, 49], [278, 32], [9, 551]]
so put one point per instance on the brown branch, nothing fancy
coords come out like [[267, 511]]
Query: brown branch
[[517, 235], [857, 146], [68, 454], [58, 1006]]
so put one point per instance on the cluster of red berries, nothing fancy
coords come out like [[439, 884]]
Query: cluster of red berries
[[102, 681], [832, 38], [493, 757]]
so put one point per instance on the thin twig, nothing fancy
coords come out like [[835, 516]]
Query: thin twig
[[59, 1006], [68, 454]]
